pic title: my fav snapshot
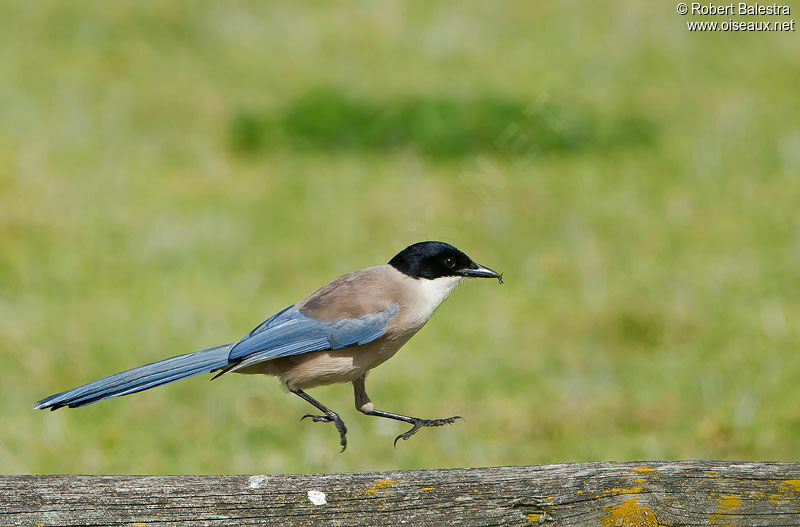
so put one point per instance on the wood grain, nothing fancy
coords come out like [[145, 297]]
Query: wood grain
[[603, 494]]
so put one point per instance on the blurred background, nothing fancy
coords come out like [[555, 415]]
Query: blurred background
[[172, 173]]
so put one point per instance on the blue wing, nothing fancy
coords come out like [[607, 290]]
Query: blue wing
[[291, 332]]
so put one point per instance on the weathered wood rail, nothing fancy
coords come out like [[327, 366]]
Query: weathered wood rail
[[604, 494]]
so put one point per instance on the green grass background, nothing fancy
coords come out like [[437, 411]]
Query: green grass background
[[172, 173]]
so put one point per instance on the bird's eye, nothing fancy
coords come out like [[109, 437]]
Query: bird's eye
[[450, 262]]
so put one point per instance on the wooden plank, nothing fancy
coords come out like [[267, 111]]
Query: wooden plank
[[647, 494]]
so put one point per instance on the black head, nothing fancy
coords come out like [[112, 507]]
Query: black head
[[431, 260]]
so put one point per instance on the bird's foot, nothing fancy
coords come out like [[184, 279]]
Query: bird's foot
[[419, 423], [331, 419], [318, 418]]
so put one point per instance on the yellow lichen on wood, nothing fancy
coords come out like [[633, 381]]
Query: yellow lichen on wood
[[617, 490], [729, 503], [788, 485], [786, 490], [380, 484], [630, 514], [534, 517], [644, 469]]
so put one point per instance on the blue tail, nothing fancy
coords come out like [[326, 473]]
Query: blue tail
[[141, 378]]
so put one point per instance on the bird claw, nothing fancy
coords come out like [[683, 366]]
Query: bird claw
[[335, 420], [318, 418], [420, 423]]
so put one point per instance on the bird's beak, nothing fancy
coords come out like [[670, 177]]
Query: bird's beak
[[479, 271]]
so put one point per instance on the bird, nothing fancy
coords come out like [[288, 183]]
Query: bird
[[337, 334]]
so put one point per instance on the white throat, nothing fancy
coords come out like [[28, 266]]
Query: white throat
[[434, 292]]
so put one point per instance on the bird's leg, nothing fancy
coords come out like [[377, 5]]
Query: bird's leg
[[365, 406], [329, 417]]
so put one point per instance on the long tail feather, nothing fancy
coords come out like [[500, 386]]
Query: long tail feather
[[141, 378]]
